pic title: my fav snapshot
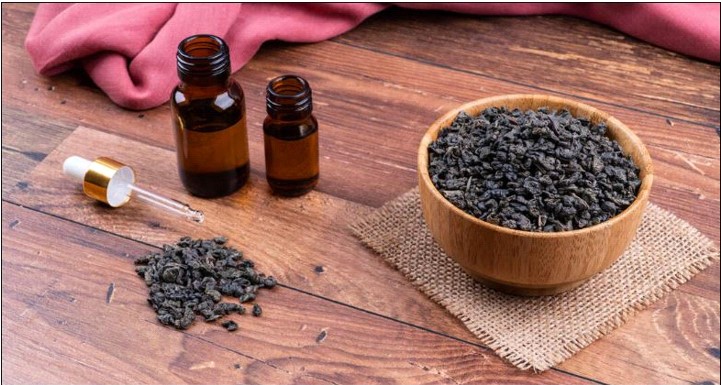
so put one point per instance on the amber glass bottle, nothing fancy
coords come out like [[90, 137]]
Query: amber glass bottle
[[290, 132], [208, 109]]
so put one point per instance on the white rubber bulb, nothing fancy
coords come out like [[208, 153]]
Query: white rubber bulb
[[76, 167]]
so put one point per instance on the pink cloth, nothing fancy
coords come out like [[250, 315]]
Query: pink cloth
[[129, 49]]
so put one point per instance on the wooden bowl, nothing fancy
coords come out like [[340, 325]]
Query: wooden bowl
[[525, 262]]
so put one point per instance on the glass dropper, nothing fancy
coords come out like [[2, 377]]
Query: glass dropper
[[112, 182], [168, 204]]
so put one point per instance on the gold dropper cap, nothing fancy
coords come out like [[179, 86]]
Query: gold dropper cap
[[104, 179], [100, 176]]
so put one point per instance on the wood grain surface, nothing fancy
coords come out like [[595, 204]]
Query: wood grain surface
[[121, 342], [582, 59], [371, 119]]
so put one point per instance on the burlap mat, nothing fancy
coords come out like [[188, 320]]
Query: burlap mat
[[539, 333]]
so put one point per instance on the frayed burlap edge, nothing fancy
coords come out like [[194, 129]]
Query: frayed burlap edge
[[366, 229]]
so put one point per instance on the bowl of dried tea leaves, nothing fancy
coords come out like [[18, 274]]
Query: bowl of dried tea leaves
[[532, 194]]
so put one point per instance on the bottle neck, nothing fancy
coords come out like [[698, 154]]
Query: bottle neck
[[203, 61], [289, 98]]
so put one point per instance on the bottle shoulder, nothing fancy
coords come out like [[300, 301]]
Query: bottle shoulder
[[220, 100], [309, 121], [290, 129], [226, 95], [235, 90], [206, 109]]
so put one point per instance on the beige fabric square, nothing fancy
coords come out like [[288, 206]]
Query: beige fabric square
[[539, 333]]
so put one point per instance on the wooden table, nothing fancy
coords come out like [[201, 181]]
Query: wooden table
[[377, 88]]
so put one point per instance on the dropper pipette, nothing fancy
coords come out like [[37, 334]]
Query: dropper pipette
[[168, 204], [112, 182]]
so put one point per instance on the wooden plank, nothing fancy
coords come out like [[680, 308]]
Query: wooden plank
[[27, 139], [61, 328], [54, 345], [269, 228], [690, 324], [560, 54]]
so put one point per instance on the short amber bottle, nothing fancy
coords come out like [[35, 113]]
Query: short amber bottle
[[290, 133], [208, 109]]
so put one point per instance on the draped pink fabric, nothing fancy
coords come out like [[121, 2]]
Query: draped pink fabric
[[129, 49]]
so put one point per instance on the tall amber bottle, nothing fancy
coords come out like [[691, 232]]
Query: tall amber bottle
[[208, 109], [290, 133]]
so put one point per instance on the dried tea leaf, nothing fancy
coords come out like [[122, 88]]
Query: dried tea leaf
[[321, 336], [190, 278], [231, 326], [110, 293], [532, 170]]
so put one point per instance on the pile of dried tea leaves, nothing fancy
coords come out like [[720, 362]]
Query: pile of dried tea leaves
[[532, 170], [190, 277]]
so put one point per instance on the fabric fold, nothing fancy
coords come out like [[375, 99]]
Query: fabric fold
[[129, 49]]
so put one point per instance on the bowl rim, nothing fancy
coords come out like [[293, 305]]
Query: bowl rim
[[435, 127]]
